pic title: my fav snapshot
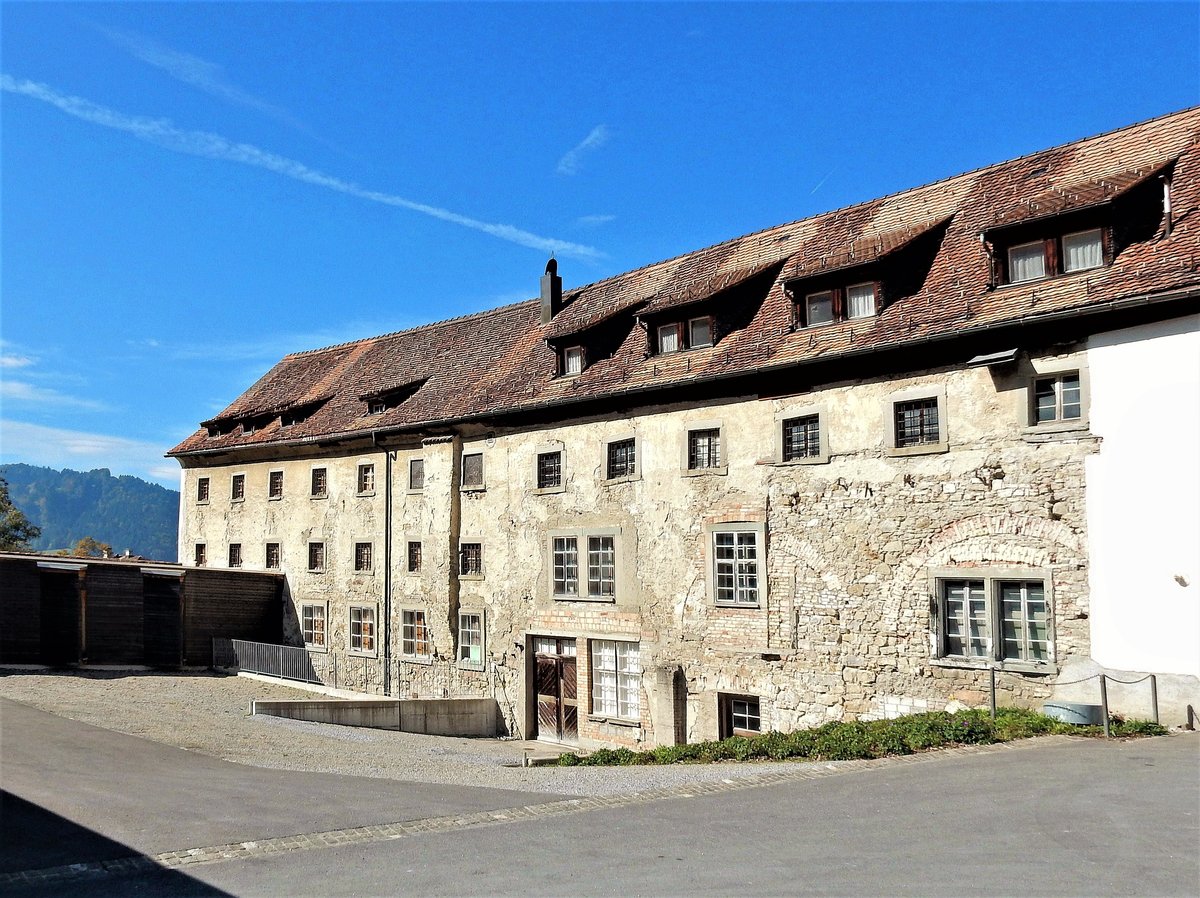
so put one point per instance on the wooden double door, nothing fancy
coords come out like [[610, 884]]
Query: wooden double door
[[556, 689]]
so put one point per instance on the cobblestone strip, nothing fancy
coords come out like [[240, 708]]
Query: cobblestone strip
[[361, 835]]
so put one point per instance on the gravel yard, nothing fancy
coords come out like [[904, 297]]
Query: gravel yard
[[207, 713]]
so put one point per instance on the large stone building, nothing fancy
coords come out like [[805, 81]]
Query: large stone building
[[850, 466]]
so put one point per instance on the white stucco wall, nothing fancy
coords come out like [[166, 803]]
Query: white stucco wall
[[1143, 497]]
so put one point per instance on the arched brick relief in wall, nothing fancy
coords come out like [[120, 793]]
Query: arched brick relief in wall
[[1004, 539]]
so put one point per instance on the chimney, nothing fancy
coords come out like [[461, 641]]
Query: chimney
[[551, 291]]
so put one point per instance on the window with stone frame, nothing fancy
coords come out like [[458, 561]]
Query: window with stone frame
[[414, 557], [917, 422], [704, 449], [235, 554], [363, 553], [237, 487], [414, 634], [416, 474], [599, 574], [472, 470], [549, 469], [316, 557], [312, 625], [802, 438], [739, 715], [366, 479], [621, 459], [470, 559], [993, 620], [362, 629], [272, 557], [1057, 398], [616, 674], [320, 483], [470, 638], [202, 490], [275, 485]]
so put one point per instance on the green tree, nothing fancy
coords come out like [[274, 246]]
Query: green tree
[[16, 530], [91, 548]]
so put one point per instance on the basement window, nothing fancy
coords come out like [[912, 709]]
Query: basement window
[[740, 715]]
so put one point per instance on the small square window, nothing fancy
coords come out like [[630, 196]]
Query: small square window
[[272, 557], [202, 490], [704, 449], [668, 338], [235, 554], [366, 479], [416, 474], [316, 557], [818, 308], [1027, 262], [275, 485], [802, 438], [201, 555], [549, 470], [1083, 250], [237, 487], [472, 470], [320, 483], [740, 715], [312, 625], [622, 459], [470, 559], [700, 332], [917, 423], [362, 556], [572, 361], [362, 628], [1057, 398], [376, 407], [414, 557], [414, 634], [860, 300], [470, 638]]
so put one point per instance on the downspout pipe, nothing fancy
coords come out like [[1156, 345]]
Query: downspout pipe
[[388, 457]]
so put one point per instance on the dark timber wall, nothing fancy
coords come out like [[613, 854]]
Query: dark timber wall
[[129, 614]]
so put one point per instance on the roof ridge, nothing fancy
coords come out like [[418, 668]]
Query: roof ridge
[[483, 313], [887, 196]]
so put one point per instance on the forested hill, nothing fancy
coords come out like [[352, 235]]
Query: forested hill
[[125, 512]]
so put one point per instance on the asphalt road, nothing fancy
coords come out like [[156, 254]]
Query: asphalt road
[[1082, 818]]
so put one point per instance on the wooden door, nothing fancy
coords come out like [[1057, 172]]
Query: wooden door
[[556, 689]]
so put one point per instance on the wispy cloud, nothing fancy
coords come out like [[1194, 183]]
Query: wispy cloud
[[21, 391], [163, 133], [571, 161], [15, 361], [199, 73], [37, 445], [591, 221]]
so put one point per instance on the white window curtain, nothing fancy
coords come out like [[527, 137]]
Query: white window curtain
[[1082, 251], [860, 300], [1026, 263], [668, 338]]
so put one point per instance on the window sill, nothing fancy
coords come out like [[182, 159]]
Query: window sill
[[1056, 429], [615, 721], [471, 665], [320, 496], [627, 478], [1044, 668], [720, 471], [364, 495], [412, 573], [423, 660], [316, 649], [312, 570], [202, 501], [414, 492], [473, 489], [364, 573], [602, 600], [729, 606], [549, 490], [274, 498], [237, 501], [353, 653], [472, 576], [1050, 278], [815, 460], [923, 449]]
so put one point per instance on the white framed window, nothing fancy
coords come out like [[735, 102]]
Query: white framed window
[[668, 339], [860, 300], [736, 565], [416, 475], [584, 566], [572, 361], [1027, 262], [362, 629], [414, 634], [1001, 618], [739, 715], [470, 638], [312, 625], [472, 471], [1083, 250], [700, 332], [616, 670], [366, 479]]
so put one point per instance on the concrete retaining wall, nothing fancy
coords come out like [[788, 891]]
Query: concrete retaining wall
[[434, 717]]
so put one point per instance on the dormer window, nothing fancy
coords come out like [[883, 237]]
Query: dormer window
[[376, 407], [840, 304], [1027, 262], [1083, 250], [572, 361], [1020, 260], [680, 335]]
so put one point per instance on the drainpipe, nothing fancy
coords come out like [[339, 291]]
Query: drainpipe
[[455, 535], [1166, 183], [388, 456]]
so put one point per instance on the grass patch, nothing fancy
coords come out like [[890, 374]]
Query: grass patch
[[865, 739]]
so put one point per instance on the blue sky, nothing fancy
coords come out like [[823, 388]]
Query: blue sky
[[190, 191]]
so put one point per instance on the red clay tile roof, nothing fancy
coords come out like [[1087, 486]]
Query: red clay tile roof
[[500, 361]]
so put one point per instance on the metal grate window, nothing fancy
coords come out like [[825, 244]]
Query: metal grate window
[[414, 557], [366, 479], [549, 470], [704, 449], [316, 556], [235, 554], [416, 474], [320, 482], [201, 555], [917, 423], [362, 556], [272, 557], [202, 489], [237, 487], [470, 558], [735, 555], [801, 438], [275, 485], [622, 458]]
